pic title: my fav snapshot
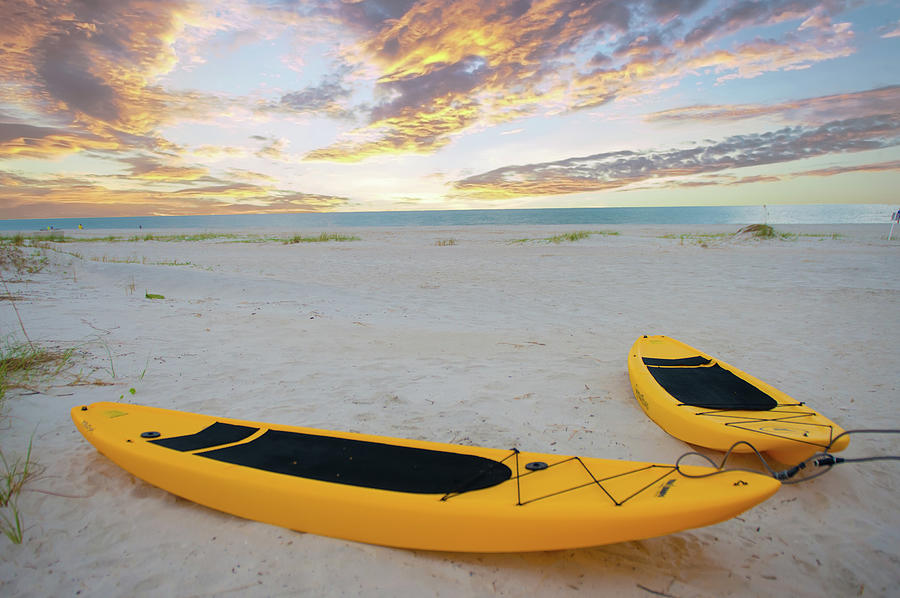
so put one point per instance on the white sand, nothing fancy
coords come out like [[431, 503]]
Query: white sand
[[485, 342]]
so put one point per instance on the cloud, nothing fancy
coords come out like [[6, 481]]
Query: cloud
[[749, 13], [249, 175], [28, 197], [90, 68], [883, 100], [893, 165], [150, 169], [95, 60], [19, 140], [441, 69], [422, 116], [614, 170], [329, 98], [407, 77], [321, 98], [892, 31], [730, 180], [666, 10], [273, 148], [507, 60]]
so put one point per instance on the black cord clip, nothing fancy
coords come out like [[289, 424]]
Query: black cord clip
[[827, 460], [789, 473]]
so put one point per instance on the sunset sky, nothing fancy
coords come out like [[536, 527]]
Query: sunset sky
[[140, 107]]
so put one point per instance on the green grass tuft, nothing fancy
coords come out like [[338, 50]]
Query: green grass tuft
[[15, 258], [823, 235], [13, 476], [322, 238], [765, 231], [21, 365], [569, 237]]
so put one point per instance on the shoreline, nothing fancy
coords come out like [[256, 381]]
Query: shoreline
[[487, 341], [860, 231], [701, 215]]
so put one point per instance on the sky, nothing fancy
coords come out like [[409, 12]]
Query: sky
[[171, 107]]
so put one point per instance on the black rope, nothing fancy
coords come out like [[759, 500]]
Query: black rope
[[594, 481], [823, 459], [784, 416], [467, 483], [669, 469]]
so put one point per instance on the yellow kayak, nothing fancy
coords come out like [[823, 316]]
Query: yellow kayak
[[705, 401], [411, 493]]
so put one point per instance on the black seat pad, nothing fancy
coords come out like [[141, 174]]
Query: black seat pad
[[711, 387]]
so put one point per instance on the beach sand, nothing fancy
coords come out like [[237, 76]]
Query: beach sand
[[485, 341]]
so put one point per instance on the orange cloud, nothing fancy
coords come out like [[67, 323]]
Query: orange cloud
[[26, 197], [412, 131], [508, 59], [91, 69], [29, 141]]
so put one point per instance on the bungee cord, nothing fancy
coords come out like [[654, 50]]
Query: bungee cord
[[822, 459]]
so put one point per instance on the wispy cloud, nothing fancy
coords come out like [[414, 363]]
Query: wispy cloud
[[19, 140], [77, 196], [614, 170], [727, 180], [892, 30], [885, 100]]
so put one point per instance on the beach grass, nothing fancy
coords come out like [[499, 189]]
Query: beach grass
[[33, 239], [321, 238], [132, 260], [569, 237], [765, 231], [758, 231], [14, 256], [701, 239], [21, 365], [445, 242], [184, 237], [43, 239], [823, 235], [14, 474]]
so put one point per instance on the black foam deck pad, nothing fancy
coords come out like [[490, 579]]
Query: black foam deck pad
[[215, 435], [684, 361], [712, 388], [364, 463]]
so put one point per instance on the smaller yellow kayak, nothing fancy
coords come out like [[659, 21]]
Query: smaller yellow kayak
[[705, 401]]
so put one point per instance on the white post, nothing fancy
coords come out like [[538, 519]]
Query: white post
[[895, 217]]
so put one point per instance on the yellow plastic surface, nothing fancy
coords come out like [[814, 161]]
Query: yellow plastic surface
[[573, 503], [789, 433]]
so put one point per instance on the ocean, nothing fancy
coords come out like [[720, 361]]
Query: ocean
[[773, 214]]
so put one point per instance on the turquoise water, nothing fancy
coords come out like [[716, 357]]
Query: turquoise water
[[775, 214]]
